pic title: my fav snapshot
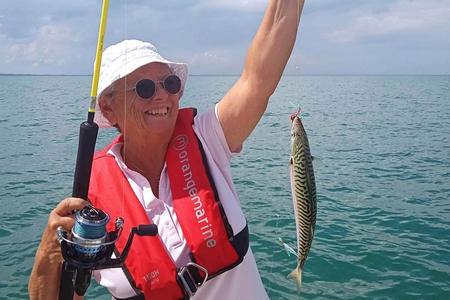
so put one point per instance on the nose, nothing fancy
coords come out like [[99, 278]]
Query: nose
[[160, 91]]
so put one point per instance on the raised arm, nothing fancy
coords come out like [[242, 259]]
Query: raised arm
[[243, 106]]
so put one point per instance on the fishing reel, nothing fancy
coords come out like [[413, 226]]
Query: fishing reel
[[90, 247]]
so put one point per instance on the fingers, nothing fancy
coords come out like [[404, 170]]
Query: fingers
[[49, 250], [65, 222], [68, 205], [62, 215]]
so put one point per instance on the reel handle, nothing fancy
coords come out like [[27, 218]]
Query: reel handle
[[147, 230]]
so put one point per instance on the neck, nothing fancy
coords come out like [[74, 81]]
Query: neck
[[146, 154]]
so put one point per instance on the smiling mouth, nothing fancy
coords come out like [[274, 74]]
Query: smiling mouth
[[159, 112]]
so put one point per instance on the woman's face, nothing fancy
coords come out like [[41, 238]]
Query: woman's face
[[132, 113]]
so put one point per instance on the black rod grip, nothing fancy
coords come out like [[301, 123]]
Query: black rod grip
[[66, 284], [86, 148]]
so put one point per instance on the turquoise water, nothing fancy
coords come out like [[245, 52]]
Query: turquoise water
[[382, 174]]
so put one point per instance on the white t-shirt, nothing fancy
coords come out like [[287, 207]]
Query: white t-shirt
[[241, 282]]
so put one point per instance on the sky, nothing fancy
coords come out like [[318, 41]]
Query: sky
[[212, 36]]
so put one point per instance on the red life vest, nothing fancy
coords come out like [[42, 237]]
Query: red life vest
[[208, 234]]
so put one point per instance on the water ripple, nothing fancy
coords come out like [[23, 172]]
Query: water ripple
[[382, 175]]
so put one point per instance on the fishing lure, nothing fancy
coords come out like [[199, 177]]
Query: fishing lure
[[289, 249]]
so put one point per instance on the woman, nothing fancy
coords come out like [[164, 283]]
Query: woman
[[171, 167]]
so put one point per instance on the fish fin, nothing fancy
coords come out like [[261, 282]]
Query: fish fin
[[297, 274]]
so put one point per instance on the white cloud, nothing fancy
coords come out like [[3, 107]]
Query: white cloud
[[300, 61], [403, 16], [57, 37], [206, 58], [241, 5], [52, 45], [212, 60], [2, 35]]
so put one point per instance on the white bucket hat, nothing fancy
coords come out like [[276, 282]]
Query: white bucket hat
[[123, 58]]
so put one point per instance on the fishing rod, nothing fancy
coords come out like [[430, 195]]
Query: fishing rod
[[90, 246]]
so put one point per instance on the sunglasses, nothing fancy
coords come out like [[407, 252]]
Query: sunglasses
[[146, 88]]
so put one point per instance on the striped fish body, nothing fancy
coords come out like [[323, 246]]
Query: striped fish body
[[303, 188]]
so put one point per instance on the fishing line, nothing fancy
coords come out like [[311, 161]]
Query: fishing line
[[278, 229], [294, 115], [292, 104], [89, 246], [289, 250], [81, 247], [125, 24]]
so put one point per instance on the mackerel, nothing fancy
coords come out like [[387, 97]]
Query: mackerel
[[303, 187]]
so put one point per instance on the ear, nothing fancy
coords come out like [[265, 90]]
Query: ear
[[107, 108]]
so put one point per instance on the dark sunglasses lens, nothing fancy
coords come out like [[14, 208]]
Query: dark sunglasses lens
[[145, 88], [172, 84]]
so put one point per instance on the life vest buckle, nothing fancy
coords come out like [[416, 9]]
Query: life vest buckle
[[188, 277]]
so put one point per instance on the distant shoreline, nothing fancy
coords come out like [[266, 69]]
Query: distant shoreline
[[234, 75]]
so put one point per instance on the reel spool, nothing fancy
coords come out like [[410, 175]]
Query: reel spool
[[89, 233], [90, 243]]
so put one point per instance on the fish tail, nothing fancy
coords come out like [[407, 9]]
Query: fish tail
[[297, 274]]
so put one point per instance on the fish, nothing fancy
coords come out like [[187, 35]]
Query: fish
[[303, 188]]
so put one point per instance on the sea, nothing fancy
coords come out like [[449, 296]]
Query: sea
[[382, 166]]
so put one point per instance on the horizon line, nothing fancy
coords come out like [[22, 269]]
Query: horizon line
[[288, 74]]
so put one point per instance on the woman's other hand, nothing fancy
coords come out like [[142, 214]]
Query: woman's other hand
[[46, 273]]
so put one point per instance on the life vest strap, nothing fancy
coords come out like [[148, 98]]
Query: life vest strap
[[189, 278], [241, 242], [231, 247], [137, 297]]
